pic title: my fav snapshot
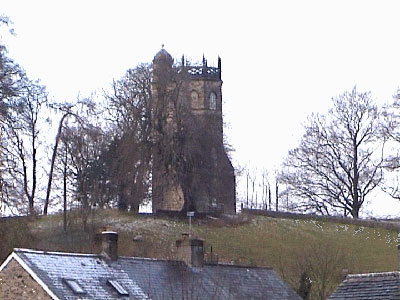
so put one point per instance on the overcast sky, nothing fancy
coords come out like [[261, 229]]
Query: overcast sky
[[281, 60]]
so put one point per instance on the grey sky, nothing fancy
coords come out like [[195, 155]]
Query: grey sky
[[281, 60]]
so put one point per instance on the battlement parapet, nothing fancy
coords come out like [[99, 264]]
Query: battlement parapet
[[203, 72]]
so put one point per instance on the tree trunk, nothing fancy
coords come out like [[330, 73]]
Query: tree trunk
[[356, 176], [53, 159], [247, 190], [270, 198], [31, 206], [65, 191]]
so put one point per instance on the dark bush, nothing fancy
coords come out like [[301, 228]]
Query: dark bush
[[14, 233]]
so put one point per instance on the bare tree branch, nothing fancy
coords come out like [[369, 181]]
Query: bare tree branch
[[337, 163]]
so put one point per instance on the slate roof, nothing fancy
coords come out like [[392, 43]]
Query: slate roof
[[151, 278], [369, 286]]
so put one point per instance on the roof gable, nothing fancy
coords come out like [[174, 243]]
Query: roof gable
[[22, 263]]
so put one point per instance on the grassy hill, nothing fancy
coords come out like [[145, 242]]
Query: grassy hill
[[291, 246]]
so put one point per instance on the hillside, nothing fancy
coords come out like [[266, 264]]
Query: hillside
[[322, 248]]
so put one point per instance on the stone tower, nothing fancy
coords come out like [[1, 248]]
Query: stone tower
[[191, 169]]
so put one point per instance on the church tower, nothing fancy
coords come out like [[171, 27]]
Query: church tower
[[191, 169]]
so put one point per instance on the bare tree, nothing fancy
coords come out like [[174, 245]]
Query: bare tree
[[64, 174], [84, 145], [21, 128], [53, 159], [276, 195], [324, 263], [391, 125], [12, 79], [23, 105], [266, 190], [65, 182], [12, 76], [340, 158], [67, 111], [129, 154]]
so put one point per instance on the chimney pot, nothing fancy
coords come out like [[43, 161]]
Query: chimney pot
[[109, 244], [191, 250], [345, 272]]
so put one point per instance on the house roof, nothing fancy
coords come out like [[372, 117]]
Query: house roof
[[369, 286], [93, 277]]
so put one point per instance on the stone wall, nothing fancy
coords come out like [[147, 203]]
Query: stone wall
[[17, 284]]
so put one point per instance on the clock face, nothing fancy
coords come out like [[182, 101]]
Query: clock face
[[212, 101]]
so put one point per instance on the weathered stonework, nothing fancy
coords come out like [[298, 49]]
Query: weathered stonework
[[173, 198], [191, 170], [17, 284], [190, 250]]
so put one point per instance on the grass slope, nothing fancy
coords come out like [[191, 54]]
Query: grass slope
[[290, 246]]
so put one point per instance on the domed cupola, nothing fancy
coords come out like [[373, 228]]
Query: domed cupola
[[162, 64], [163, 57]]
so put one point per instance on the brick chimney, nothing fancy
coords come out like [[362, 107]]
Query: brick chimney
[[190, 250], [109, 245]]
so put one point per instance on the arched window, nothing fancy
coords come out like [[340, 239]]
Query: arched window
[[212, 101]]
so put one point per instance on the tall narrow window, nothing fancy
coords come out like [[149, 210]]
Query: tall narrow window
[[212, 101]]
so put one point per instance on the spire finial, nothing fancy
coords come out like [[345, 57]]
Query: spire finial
[[162, 46], [219, 66]]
